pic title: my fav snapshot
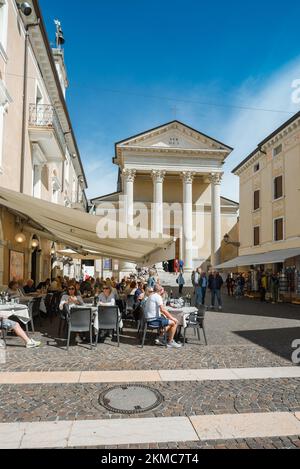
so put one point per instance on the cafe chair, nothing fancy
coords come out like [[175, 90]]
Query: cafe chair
[[147, 327], [80, 320], [109, 320], [196, 322], [3, 332]]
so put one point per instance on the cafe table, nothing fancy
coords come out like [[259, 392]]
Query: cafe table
[[182, 313], [15, 310]]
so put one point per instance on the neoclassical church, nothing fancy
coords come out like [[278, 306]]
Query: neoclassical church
[[177, 171]]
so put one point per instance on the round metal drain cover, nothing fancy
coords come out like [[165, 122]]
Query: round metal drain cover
[[130, 399]]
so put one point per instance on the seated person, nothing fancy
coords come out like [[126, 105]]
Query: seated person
[[107, 297], [71, 298], [157, 315], [13, 290], [29, 287], [44, 285], [9, 325]]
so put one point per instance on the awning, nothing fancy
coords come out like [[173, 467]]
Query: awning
[[272, 257], [78, 230]]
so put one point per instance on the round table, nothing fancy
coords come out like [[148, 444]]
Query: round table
[[182, 313], [19, 311]]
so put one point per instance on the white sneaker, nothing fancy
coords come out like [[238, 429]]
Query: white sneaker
[[33, 344], [173, 344], [160, 341]]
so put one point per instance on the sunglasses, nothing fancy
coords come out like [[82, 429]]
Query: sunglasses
[[72, 288]]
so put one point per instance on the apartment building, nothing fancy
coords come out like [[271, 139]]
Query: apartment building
[[39, 155]]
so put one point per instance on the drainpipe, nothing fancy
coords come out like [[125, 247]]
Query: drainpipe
[[24, 113]]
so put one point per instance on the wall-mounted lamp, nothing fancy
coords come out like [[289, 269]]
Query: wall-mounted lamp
[[20, 238], [35, 242]]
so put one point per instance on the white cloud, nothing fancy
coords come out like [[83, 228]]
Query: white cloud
[[246, 128]]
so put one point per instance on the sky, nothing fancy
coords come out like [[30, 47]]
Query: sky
[[227, 68]]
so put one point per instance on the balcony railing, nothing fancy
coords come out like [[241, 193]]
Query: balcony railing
[[44, 116]]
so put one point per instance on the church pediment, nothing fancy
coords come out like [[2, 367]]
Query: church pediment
[[174, 135]]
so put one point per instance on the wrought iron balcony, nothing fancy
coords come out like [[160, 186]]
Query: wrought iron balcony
[[44, 116]]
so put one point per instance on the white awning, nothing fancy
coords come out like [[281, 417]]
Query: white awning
[[272, 257], [78, 230]]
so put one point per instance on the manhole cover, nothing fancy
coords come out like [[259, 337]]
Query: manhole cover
[[130, 399]]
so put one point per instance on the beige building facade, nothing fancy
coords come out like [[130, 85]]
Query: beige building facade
[[170, 183], [38, 150], [269, 207]]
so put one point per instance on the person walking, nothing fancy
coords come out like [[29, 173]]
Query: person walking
[[196, 283], [263, 287], [275, 288], [203, 285], [215, 284], [181, 282], [181, 266], [230, 284]]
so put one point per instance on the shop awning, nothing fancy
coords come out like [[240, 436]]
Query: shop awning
[[272, 257], [78, 230]]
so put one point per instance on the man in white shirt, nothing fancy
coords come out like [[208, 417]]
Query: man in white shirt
[[157, 315]]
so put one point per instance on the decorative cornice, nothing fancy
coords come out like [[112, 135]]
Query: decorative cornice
[[158, 176], [129, 175], [216, 178], [213, 153], [188, 177]]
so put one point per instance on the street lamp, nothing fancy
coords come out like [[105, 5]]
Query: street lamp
[[233, 243]]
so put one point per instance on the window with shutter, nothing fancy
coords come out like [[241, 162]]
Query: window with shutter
[[256, 236], [278, 229], [278, 187], [256, 200]]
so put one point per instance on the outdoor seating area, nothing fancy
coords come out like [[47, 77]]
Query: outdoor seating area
[[89, 311]]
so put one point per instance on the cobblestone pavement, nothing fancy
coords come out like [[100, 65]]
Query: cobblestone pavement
[[32, 403], [291, 442], [246, 334]]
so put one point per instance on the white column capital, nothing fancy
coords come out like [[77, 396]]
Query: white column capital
[[158, 175], [129, 174], [188, 177], [216, 178]]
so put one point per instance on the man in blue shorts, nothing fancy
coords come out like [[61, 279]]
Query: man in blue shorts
[[157, 315], [9, 325]]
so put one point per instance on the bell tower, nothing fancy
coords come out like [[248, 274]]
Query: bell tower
[[58, 54]]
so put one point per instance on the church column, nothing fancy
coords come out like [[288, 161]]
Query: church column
[[128, 178], [215, 180], [129, 175], [188, 219], [157, 216]]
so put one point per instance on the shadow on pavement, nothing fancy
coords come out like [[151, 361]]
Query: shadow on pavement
[[277, 341]]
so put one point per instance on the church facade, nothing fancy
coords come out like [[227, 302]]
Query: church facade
[[172, 175]]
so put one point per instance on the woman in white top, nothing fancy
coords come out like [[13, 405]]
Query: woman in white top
[[107, 297]]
